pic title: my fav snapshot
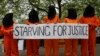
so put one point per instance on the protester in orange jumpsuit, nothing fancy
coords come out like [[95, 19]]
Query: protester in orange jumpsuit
[[32, 46], [71, 45], [92, 20], [10, 44], [51, 44]]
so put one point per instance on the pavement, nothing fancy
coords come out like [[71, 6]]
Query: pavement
[[42, 51]]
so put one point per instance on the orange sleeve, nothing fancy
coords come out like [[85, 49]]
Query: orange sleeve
[[96, 21], [7, 31]]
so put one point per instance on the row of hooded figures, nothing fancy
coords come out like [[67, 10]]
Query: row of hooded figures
[[88, 46]]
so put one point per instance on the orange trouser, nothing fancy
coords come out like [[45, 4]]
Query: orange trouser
[[10, 47], [71, 47], [84, 47], [92, 43], [88, 47], [51, 44], [32, 47]]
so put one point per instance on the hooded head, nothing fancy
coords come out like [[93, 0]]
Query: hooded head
[[51, 12], [8, 20], [89, 11], [33, 16], [72, 13]]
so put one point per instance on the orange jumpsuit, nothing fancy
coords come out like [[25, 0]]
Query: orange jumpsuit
[[10, 44], [51, 44], [71, 45], [90, 44], [32, 46]]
